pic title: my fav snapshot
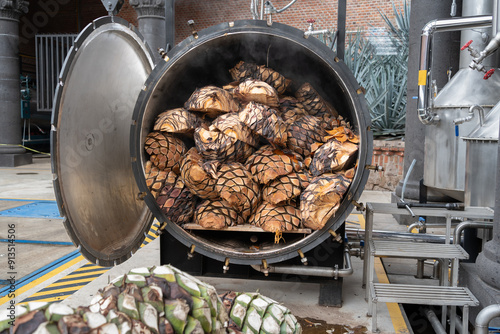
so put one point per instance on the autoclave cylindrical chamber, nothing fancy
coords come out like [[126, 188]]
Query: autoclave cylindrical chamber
[[205, 59]]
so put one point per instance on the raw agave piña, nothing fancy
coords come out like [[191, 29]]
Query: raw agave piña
[[157, 300]]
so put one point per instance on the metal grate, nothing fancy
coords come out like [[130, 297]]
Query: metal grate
[[422, 294], [417, 250], [51, 51]]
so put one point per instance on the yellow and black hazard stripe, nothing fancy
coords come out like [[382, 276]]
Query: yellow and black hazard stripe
[[68, 285], [71, 283]]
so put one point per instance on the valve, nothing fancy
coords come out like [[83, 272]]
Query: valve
[[311, 21], [489, 73], [225, 267], [466, 45], [190, 254], [303, 258]]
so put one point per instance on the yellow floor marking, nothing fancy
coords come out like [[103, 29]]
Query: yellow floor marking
[[51, 292], [42, 279], [397, 318], [83, 281], [77, 274]]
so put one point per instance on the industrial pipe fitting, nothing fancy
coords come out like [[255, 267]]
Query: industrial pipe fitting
[[424, 104], [457, 233], [310, 271], [435, 323], [469, 117], [485, 316]]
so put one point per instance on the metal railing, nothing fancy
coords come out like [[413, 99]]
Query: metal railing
[[51, 51]]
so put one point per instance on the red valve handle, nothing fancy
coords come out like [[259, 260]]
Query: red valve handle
[[489, 74], [466, 45], [311, 21]]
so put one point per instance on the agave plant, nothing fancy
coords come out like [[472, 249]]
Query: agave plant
[[383, 76]]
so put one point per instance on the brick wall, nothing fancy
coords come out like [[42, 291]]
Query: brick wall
[[361, 14], [63, 16], [389, 155]]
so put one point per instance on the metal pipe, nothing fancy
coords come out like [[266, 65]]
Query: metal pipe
[[357, 233], [255, 15], [484, 317], [286, 7], [458, 324], [453, 11], [316, 32], [435, 323], [312, 271], [420, 268], [457, 234], [436, 269], [495, 29], [469, 117], [419, 225], [424, 77]]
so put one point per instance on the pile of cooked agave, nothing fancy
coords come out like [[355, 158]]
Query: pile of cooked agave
[[262, 155]]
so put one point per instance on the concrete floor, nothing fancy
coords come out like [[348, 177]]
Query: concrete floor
[[22, 185]]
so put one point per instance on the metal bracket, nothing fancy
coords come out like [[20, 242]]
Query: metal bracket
[[112, 6], [359, 206]]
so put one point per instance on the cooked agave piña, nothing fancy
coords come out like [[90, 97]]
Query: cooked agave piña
[[215, 145], [165, 150], [244, 70], [276, 217], [230, 125], [291, 109], [177, 120], [304, 133], [155, 178], [266, 122], [213, 101], [269, 147], [285, 187], [236, 186], [313, 102], [176, 201], [217, 214], [321, 199], [194, 176], [332, 157], [256, 91], [266, 164]]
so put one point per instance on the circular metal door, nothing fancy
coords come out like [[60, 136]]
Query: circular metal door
[[93, 179]]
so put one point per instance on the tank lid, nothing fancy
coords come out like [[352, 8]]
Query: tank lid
[[467, 88], [489, 129], [93, 180]]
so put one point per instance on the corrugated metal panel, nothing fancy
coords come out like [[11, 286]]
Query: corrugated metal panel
[[51, 50]]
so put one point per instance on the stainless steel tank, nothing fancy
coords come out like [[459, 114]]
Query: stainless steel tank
[[103, 194], [444, 167], [481, 161]]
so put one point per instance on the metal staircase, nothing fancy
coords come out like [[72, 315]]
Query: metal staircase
[[448, 294]]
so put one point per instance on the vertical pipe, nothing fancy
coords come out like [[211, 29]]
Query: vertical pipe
[[496, 8], [10, 106], [169, 24], [341, 27], [47, 79], [37, 71]]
